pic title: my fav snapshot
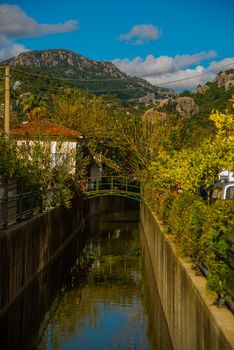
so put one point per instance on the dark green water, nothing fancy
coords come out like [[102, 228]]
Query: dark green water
[[100, 294]]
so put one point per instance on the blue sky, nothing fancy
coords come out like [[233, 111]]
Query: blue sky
[[163, 41]]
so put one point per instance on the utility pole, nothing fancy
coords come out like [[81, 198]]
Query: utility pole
[[7, 101]]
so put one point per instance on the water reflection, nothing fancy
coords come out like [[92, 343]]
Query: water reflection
[[19, 325], [103, 309], [158, 333], [93, 296]]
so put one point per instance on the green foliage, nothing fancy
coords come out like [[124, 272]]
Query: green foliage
[[149, 193], [31, 163], [96, 78], [215, 98], [214, 246], [33, 106], [160, 201], [186, 219], [200, 231], [81, 111], [10, 164], [191, 167], [164, 205]]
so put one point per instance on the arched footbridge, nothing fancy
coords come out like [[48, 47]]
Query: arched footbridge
[[111, 186]]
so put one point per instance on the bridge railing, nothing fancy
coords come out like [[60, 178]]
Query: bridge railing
[[111, 184]]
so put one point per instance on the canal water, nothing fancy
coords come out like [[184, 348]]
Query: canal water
[[100, 294]]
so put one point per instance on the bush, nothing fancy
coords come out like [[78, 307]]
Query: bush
[[160, 201], [186, 219], [214, 246], [164, 205], [149, 193]]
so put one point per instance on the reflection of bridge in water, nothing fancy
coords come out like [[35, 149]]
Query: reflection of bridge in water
[[112, 186]]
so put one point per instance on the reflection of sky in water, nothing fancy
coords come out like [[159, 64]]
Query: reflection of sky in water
[[114, 331], [117, 324], [107, 311]]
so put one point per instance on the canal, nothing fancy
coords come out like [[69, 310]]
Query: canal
[[100, 294]]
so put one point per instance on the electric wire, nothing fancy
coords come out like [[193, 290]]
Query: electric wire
[[157, 85], [114, 79], [198, 75], [222, 54], [68, 79], [61, 88]]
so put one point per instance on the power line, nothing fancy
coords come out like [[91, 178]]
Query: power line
[[191, 64], [197, 75], [116, 90], [108, 79], [123, 79], [61, 88], [70, 79]]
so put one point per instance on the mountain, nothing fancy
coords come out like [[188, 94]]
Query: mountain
[[194, 108], [78, 71], [214, 95]]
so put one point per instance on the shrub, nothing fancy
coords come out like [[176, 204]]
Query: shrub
[[164, 205], [214, 246], [186, 220]]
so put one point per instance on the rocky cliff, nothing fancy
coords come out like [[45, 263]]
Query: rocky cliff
[[225, 79], [66, 62], [96, 76], [186, 106]]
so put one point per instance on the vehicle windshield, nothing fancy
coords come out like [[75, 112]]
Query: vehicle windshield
[[230, 192]]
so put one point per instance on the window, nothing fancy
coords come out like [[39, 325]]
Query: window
[[230, 192]]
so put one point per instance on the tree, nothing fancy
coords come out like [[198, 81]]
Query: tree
[[89, 115], [192, 167], [34, 107], [31, 163]]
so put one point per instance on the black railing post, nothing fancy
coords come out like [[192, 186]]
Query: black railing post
[[32, 202], [20, 203], [6, 204], [97, 184]]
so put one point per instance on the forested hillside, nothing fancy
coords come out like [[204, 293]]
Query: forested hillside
[[53, 69]]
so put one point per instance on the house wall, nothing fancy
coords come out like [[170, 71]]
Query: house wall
[[60, 151]]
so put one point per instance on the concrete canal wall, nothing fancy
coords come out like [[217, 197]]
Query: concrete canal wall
[[28, 247], [194, 322], [113, 204]]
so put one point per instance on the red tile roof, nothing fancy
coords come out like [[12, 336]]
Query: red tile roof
[[43, 127]]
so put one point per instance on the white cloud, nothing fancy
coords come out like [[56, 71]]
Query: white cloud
[[174, 72], [163, 64], [15, 23], [141, 34], [187, 60], [182, 79], [11, 51], [228, 63]]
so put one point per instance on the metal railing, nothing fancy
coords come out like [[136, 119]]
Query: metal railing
[[16, 203], [111, 185]]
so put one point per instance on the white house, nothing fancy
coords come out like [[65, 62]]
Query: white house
[[63, 141]]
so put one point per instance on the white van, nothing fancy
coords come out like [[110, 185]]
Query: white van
[[223, 190]]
